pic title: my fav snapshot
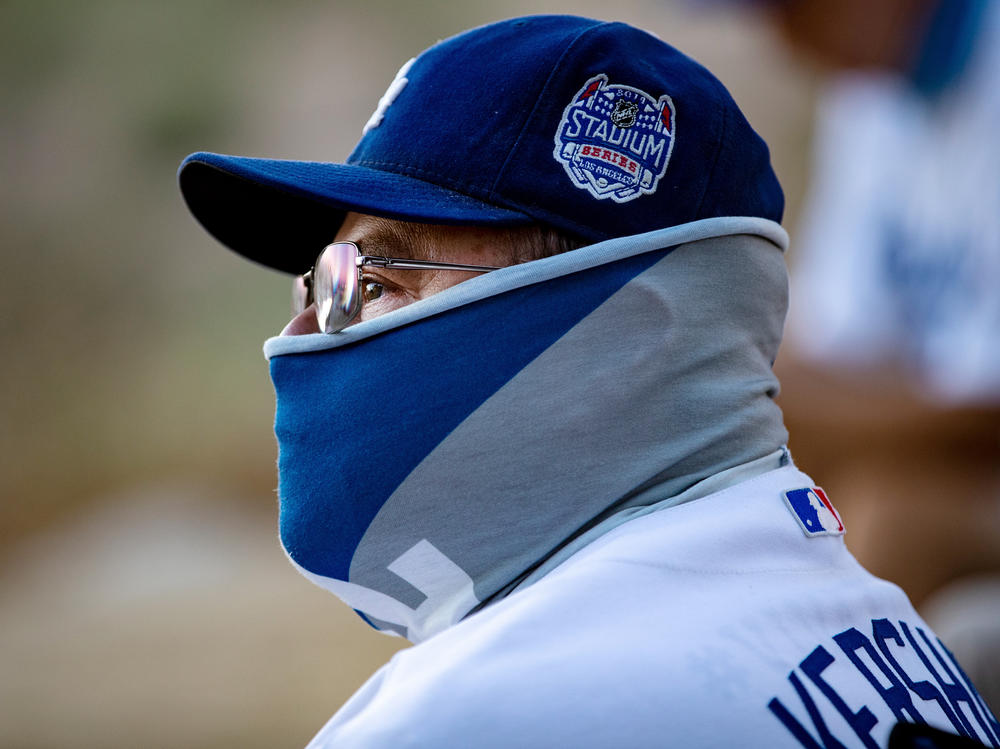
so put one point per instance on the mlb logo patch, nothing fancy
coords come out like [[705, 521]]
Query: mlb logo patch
[[614, 141], [814, 512]]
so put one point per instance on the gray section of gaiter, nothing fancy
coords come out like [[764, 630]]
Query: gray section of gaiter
[[664, 384], [386, 627]]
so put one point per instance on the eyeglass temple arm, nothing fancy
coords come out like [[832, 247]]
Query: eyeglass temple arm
[[377, 261]]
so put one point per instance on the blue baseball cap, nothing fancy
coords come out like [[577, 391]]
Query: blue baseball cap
[[596, 129]]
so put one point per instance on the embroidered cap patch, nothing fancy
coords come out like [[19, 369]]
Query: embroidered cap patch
[[814, 512], [615, 141]]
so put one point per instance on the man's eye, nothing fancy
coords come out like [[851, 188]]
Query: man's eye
[[371, 290]]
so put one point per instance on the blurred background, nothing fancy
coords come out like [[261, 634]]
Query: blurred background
[[144, 597]]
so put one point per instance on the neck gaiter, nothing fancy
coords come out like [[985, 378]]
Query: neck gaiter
[[431, 459]]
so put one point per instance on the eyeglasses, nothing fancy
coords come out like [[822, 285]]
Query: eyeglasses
[[334, 282]]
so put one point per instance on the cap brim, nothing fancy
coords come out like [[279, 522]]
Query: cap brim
[[282, 213]]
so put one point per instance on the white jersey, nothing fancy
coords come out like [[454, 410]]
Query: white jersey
[[738, 619]]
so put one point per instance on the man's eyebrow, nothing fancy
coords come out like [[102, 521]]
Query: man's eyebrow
[[389, 240]]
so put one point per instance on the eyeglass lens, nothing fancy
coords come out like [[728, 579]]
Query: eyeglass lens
[[301, 294], [335, 286]]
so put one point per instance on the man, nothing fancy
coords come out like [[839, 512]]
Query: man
[[558, 467]]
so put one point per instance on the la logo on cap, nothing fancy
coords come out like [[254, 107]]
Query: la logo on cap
[[394, 90]]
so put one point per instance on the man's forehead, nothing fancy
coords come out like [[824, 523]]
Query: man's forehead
[[376, 235]]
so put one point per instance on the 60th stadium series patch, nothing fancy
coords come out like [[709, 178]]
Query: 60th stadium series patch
[[615, 141]]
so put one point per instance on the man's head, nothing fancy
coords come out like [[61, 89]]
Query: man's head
[[437, 452], [594, 130]]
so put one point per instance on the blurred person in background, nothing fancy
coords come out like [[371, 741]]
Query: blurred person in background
[[526, 417], [892, 371]]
